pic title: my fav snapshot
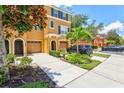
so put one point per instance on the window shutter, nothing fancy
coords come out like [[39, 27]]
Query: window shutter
[[52, 11], [68, 29], [67, 17], [59, 14], [59, 29]]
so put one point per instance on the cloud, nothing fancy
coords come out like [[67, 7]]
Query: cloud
[[67, 5], [113, 26]]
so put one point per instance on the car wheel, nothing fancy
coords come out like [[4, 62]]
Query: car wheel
[[88, 52]]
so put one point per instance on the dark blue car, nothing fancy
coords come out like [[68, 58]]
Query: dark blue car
[[113, 48], [83, 49]]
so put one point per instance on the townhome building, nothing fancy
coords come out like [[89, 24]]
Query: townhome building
[[53, 37]]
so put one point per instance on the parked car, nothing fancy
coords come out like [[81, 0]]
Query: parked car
[[113, 48], [83, 49]]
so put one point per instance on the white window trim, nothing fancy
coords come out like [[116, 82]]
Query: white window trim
[[53, 24], [58, 19], [66, 28]]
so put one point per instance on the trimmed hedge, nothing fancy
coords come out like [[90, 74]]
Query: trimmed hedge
[[78, 58], [55, 53]]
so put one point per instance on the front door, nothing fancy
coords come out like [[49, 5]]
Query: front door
[[53, 45], [18, 47]]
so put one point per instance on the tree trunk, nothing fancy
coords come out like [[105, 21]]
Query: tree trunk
[[77, 44], [3, 62]]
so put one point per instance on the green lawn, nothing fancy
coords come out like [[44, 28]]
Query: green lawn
[[101, 55], [39, 84], [91, 65]]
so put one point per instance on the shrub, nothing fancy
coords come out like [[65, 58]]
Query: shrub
[[10, 58], [86, 58], [91, 65], [3, 76], [39, 84], [63, 52], [55, 53], [24, 62], [78, 58], [95, 47], [73, 58]]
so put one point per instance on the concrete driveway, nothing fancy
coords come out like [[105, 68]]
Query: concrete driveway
[[108, 74], [59, 71]]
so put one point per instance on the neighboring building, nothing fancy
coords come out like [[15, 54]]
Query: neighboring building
[[51, 38], [99, 41]]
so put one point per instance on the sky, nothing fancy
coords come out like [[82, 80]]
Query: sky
[[111, 15]]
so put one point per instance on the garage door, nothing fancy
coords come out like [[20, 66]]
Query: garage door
[[34, 47], [63, 44]]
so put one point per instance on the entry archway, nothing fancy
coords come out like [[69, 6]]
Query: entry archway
[[18, 47], [53, 45]]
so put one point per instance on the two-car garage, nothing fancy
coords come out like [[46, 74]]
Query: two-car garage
[[34, 47]]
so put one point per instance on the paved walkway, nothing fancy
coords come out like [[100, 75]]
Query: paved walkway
[[108, 74], [102, 59]]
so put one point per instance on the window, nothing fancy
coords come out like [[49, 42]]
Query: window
[[59, 14], [64, 16], [55, 13], [52, 24], [63, 29]]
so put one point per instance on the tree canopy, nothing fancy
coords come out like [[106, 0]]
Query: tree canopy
[[79, 20], [114, 38], [94, 29], [82, 21], [23, 17]]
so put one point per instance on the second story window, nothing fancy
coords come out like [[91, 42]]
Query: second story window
[[51, 24], [63, 29]]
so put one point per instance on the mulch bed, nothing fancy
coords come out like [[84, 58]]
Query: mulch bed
[[33, 73]]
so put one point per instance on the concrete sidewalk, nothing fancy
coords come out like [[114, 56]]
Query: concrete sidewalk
[[108, 74]]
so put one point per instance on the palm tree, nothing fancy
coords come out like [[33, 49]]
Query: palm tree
[[78, 34], [95, 29]]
